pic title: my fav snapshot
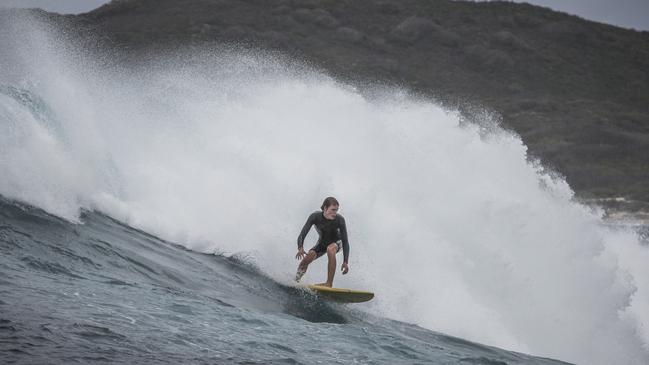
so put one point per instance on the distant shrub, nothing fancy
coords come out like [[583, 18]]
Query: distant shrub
[[490, 59], [389, 8], [507, 39], [349, 34], [524, 20], [413, 28]]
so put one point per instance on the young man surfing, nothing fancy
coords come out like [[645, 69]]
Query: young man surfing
[[332, 233]]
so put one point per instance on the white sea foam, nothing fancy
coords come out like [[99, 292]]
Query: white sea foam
[[452, 228]]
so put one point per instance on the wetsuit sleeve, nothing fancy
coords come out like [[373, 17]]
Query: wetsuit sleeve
[[305, 230], [343, 234]]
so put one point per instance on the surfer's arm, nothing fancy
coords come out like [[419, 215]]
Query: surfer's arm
[[343, 237], [305, 230]]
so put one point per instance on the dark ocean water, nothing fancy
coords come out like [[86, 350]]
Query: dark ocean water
[[103, 292]]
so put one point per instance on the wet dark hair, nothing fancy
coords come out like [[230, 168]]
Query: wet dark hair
[[329, 201]]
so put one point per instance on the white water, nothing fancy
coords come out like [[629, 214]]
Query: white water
[[453, 229]]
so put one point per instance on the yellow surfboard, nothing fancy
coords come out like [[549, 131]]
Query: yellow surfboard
[[342, 295]]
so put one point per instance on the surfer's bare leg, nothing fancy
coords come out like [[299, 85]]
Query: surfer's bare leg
[[332, 249], [304, 264]]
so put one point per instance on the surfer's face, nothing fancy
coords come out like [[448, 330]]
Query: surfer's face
[[330, 212]]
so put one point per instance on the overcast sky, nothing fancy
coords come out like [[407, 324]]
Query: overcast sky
[[58, 6], [624, 13]]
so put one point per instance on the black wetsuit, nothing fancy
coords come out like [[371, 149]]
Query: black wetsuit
[[329, 231]]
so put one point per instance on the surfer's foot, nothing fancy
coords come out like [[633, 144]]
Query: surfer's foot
[[328, 285], [298, 275]]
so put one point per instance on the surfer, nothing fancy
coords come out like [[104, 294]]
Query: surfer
[[332, 233]]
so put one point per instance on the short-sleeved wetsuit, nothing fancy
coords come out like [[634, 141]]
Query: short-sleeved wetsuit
[[329, 231]]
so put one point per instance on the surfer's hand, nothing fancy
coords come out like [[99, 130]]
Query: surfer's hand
[[344, 268], [300, 253]]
